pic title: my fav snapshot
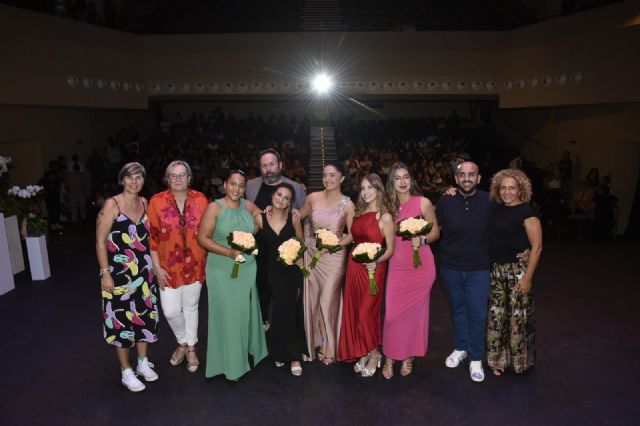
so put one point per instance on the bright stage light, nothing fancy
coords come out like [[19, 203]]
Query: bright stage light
[[322, 84]]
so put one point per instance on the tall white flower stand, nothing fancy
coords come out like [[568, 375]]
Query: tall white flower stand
[[6, 273], [15, 246], [38, 257]]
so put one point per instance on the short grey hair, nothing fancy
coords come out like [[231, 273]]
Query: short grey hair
[[172, 165]]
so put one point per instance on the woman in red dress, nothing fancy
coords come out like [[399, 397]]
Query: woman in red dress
[[360, 332]]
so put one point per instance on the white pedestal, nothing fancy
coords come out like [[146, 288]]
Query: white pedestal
[[15, 246], [6, 274], [38, 257]]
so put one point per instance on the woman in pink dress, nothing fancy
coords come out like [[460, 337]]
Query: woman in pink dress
[[332, 210], [406, 323]]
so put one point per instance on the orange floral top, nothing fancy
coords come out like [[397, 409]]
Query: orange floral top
[[175, 236]]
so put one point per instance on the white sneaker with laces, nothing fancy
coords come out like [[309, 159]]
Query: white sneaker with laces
[[130, 380], [145, 369], [455, 358], [476, 371]]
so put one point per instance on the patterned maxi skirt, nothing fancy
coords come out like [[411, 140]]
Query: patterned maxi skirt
[[511, 320]]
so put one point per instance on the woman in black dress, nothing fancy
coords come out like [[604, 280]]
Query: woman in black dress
[[285, 337]]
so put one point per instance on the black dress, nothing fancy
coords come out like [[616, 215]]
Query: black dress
[[286, 337]]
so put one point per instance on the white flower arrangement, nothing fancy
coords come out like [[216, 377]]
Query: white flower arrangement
[[244, 242], [290, 251], [368, 253], [28, 192], [412, 227], [4, 161], [324, 239]]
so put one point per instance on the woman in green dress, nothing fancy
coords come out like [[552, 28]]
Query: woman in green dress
[[235, 325]]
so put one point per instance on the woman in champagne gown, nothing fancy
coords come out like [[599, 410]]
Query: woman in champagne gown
[[332, 210], [360, 331]]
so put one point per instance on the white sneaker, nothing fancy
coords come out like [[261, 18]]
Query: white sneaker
[[130, 380], [476, 371], [455, 358], [145, 369]]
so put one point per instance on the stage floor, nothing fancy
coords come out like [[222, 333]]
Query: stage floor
[[56, 368]]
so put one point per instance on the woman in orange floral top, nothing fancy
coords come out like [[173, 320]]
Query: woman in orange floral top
[[178, 260]]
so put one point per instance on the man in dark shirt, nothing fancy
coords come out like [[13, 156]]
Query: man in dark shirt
[[464, 265], [259, 191]]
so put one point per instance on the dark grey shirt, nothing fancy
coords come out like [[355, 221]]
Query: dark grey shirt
[[464, 238]]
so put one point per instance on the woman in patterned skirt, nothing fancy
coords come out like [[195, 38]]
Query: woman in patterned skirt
[[513, 228], [129, 292]]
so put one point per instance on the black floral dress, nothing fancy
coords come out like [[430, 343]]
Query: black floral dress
[[131, 311]]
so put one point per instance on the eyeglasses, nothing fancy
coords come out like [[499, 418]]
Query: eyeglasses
[[181, 176], [236, 171]]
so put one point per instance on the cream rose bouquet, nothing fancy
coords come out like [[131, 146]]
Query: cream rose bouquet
[[412, 227], [368, 253], [290, 252], [325, 239], [244, 242]]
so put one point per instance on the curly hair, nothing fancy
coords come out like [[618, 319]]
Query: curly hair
[[383, 204], [524, 184]]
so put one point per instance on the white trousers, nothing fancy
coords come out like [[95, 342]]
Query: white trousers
[[180, 308]]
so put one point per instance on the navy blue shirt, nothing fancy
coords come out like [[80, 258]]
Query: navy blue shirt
[[464, 236]]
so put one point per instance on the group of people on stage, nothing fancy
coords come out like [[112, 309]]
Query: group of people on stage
[[161, 253]]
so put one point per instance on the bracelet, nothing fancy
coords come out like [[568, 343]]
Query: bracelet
[[103, 271]]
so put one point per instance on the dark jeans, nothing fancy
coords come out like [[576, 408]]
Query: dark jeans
[[469, 295]]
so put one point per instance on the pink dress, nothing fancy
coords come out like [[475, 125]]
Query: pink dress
[[406, 322]]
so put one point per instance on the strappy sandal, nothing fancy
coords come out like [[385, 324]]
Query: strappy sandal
[[192, 360], [387, 369], [328, 360], [407, 367], [178, 355], [361, 364], [497, 372]]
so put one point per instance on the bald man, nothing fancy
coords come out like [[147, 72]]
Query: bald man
[[463, 264]]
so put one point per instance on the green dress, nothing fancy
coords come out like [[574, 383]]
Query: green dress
[[235, 324]]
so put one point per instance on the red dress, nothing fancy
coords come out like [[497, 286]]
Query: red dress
[[360, 331]]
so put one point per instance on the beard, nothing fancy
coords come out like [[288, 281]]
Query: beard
[[272, 178], [465, 191]]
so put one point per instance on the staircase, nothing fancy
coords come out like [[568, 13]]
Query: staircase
[[322, 15], [323, 149]]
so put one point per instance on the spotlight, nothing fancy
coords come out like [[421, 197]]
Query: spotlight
[[322, 84]]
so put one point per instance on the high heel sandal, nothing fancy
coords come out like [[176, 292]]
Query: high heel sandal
[[192, 360], [387, 369], [370, 371], [178, 355], [328, 360], [407, 367], [361, 364]]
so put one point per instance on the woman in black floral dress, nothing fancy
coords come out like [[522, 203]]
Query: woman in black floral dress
[[129, 291]]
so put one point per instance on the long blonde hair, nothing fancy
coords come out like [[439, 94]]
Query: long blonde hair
[[383, 204]]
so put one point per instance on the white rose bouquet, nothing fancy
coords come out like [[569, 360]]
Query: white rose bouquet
[[368, 253], [290, 252], [244, 242], [412, 227], [325, 239]]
